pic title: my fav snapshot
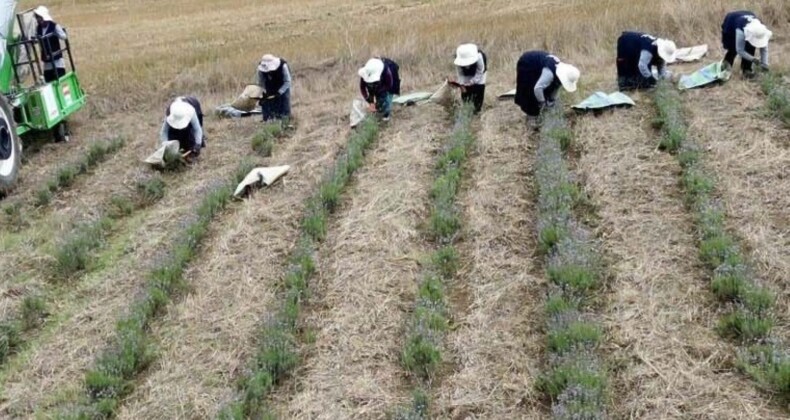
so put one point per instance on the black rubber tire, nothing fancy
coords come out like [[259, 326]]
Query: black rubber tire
[[10, 149], [61, 133]]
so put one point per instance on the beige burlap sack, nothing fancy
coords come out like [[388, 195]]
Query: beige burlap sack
[[158, 157], [444, 95], [260, 176], [248, 98]]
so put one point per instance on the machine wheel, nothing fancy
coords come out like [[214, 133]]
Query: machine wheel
[[10, 149], [61, 132]]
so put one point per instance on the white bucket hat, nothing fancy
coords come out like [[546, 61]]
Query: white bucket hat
[[667, 50], [757, 34], [466, 55], [43, 12], [181, 114], [372, 71], [269, 63], [568, 75]]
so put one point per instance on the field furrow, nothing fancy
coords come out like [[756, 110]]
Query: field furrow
[[750, 157], [497, 344], [52, 369], [205, 341], [662, 317], [367, 275]]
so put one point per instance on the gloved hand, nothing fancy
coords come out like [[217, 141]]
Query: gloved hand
[[549, 104], [764, 67]]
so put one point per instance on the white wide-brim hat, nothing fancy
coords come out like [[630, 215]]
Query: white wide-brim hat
[[181, 114], [466, 55], [372, 71], [269, 63], [757, 34], [667, 50], [568, 75], [42, 12]]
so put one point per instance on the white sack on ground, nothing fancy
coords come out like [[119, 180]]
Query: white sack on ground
[[687, 55], [412, 98], [158, 157], [444, 95], [248, 99], [507, 95], [261, 176], [228, 111], [359, 110]]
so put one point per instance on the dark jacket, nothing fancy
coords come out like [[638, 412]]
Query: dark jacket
[[389, 83], [50, 43], [185, 136], [629, 48], [732, 22], [528, 71], [272, 81]]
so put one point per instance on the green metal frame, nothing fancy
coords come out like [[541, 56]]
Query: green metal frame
[[39, 106]]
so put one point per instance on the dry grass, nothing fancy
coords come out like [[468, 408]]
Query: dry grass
[[751, 159], [368, 271], [205, 340], [660, 319], [496, 346], [324, 41]]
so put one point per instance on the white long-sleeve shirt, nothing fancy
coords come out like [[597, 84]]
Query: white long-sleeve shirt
[[645, 57], [545, 80], [480, 73], [740, 48]]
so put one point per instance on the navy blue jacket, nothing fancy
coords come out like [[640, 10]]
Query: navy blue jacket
[[732, 22], [528, 71]]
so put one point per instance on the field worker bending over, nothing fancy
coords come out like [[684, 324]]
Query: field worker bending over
[[742, 34], [379, 81], [184, 123], [637, 55], [49, 34], [471, 66], [538, 78], [274, 77]]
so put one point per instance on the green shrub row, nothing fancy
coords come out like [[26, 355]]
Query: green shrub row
[[422, 351], [750, 306], [277, 354], [129, 351], [263, 141], [575, 380], [97, 152], [71, 255], [778, 96]]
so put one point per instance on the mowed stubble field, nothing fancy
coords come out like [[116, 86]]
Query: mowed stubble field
[[659, 318]]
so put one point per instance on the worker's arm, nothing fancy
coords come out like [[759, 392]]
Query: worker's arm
[[60, 32], [164, 133], [197, 131], [480, 71], [764, 56], [363, 88], [740, 46], [645, 57], [662, 70], [286, 80], [546, 79]]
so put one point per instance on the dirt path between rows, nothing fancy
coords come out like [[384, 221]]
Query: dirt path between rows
[[52, 369], [660, 315], [496, 346], [368, 273], [207, 340], [750, 156]]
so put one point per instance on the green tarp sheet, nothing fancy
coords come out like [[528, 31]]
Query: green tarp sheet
[[712, 73], [601, 100]]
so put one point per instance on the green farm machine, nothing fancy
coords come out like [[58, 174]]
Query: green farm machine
[[28, 103]]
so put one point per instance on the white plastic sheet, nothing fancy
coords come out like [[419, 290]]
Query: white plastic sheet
[[689, 54], [158, 157], [412, 98], [359, 110], [261, 177]]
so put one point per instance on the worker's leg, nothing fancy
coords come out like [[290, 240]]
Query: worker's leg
[[729, 58], [479, 97], [50, 75], [746, 65], [384, 104], [267, 109], [283, 105]]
